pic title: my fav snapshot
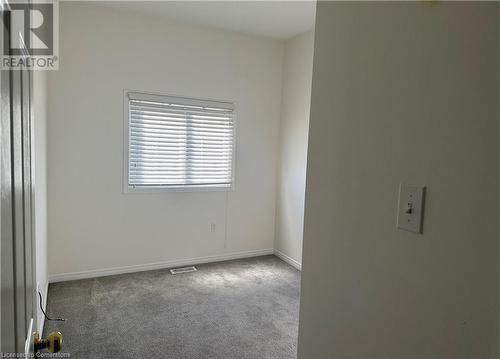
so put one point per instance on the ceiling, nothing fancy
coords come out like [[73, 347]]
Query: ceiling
[[274, 19]]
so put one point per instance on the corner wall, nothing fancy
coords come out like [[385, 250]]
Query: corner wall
[[294, 129], [402, 92]]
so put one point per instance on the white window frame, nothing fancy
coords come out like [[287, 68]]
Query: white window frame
[[175, 188]]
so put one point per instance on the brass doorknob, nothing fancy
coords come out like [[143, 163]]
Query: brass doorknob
[[53, 342]]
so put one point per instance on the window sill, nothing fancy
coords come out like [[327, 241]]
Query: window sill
[[180, 188]]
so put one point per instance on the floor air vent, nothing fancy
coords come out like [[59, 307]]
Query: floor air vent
[[183, 270]]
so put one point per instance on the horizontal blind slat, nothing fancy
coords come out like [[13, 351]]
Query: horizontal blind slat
[[178, 122], [137, 112], [180, 132], [170, 151], [194, 141], [161, 128], [177, 145]]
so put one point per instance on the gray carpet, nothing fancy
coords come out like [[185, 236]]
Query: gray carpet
[[245, 308]]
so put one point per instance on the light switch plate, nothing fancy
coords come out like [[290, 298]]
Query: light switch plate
[[411, 208]]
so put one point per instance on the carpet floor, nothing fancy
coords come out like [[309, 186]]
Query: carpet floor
[[246, 308]]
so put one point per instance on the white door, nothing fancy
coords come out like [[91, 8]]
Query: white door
[[18, 298]]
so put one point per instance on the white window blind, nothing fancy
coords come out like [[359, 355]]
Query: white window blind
[[179, 142]]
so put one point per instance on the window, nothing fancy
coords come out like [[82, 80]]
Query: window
[[176, 142]]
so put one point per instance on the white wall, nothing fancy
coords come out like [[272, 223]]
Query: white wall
[[402, 92], [92, 224], [294, 128], [40, 181]]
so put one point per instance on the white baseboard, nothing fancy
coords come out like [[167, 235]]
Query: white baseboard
[[62, 277], [288, 259]]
